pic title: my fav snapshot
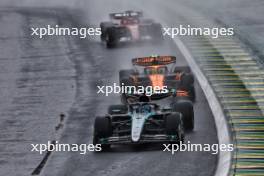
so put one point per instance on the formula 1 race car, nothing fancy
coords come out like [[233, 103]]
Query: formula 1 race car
[[158, 71], [144, 122], [129, 26]]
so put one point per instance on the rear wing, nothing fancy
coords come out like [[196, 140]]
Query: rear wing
[[126, 14], [152, 61]]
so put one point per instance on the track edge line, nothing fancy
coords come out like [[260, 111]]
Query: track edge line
[[223, 133]]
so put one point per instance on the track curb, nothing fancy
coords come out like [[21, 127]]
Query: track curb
[[222, 127]]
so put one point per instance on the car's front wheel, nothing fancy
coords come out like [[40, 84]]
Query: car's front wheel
[[102, 129], [174, 126], [185, 107]]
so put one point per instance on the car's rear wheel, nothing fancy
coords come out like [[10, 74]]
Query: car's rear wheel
[[192, 93], [185, 107], [125, 82], [187, 80], [102, 129], [125, 74], [156, 29], [182, 69], [187, 84], [111, 38], [104, 26]]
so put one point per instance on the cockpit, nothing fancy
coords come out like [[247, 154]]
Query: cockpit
[[129, 21], [143, 108], [155, 70]]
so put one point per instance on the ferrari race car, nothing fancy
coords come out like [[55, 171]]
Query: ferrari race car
[[144, 122], [129, 26], [158, 71]]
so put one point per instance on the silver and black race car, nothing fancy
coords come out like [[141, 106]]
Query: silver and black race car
[[129, 26], [144, 122]]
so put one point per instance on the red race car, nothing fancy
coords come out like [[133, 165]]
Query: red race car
[[129, 26]]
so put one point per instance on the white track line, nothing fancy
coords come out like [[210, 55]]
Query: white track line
[[224, 159]]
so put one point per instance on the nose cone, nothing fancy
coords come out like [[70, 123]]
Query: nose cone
[[137, 127], [157, 80], [134, 30]]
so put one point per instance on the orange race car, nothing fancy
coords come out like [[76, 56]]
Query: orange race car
[[158, 71]]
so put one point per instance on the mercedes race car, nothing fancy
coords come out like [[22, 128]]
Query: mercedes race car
[[129, 26], [144, 122], [158, 71]]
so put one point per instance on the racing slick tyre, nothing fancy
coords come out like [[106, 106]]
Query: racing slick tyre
[[192, 93], [117, 109], [125, 74], [104, 26], [187, 80], [187, 83], [102, 129], [124, 99], [111, 38], [174, 126], [182, 69], [185, 107], [124, 96], [156, 30]]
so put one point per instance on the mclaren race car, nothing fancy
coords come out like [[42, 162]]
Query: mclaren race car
[[144, 122], [129, 26], [158, 71]]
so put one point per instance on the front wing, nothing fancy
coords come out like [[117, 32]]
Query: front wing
[[144, 139]]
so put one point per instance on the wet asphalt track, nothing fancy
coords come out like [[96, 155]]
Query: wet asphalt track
[[94, 65]]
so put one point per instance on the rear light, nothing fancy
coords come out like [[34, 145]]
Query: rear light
[[182, 93]]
